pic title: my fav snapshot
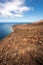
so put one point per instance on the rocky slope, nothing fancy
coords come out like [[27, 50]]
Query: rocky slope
[[24, 46]]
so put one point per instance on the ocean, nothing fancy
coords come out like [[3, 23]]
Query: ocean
[[6, 29]]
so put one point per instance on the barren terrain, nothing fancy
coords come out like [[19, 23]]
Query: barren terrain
[[24, 46]]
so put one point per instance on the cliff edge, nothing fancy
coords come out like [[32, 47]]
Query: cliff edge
[[24, 46]]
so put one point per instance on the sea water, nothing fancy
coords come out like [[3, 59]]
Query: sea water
[[6, 29]]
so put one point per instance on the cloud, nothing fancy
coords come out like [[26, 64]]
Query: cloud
[[18, 15], [17, 7]]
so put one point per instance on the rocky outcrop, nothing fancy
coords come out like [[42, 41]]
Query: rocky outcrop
[[24, 46]]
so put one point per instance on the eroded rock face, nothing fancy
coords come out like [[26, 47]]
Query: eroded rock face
[[24, 46]]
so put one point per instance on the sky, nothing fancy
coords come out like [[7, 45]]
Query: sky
[[21, 10]]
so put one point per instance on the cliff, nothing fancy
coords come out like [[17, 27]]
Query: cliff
[[24, 46]]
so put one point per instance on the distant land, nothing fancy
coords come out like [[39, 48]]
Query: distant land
[[24, 46]]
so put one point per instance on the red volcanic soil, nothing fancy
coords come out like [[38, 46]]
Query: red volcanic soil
[[24, 46]]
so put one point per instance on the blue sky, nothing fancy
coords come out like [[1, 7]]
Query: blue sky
[[21, 10]]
